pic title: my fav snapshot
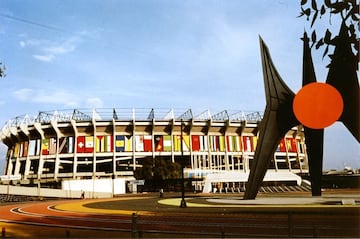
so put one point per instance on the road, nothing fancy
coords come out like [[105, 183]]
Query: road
[[119, 218]]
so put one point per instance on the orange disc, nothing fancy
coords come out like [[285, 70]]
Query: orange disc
[[318, 105]]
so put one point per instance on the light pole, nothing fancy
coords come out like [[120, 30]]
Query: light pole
[[183, 202]]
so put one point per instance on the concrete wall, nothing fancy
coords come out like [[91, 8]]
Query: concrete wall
[[47, 192], [113, 186]]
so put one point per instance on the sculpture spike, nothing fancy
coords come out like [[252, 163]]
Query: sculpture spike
[[314, 138], [278, 119]]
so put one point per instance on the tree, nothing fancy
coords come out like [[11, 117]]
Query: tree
[[347, 10], [2, 70], [158, 169]]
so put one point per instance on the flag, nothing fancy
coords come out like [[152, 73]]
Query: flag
[[255, 139], [139, 143], [52, 146], [38, 147], [177, 143], [300, 146], [221, 143], [100, 143], [237, 143], [85, 144], [291, 145], [167, 143], [89, 144], [21, 148], [185, 143], [63, 145], [248, 143], [204, 143], [159, 143], [195, 142], [282, 147], [25, 148], [45, 147], [147, 143], [66, 145], [120, 143], [109, 143], [229, 143], [128, 143], [212, 143], [32, 147], [16, 150]]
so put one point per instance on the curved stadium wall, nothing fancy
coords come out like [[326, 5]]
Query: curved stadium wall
[[112, 143]]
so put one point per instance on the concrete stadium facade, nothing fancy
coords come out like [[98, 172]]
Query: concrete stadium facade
[[53, 147]]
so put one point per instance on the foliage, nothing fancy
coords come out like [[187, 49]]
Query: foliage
[[158, 169], [347, 10], [2, 70]]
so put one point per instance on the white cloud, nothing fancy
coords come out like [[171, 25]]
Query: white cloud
[[59, 97], [23, 94], [47, 51], [22, 43], [94, 103], [44, 58]]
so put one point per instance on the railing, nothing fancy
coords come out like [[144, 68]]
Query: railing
[[105, 114]]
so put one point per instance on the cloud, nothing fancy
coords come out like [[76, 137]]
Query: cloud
[[60, 97], [94, 103], [47, 51], [23, 94], [44, 58]]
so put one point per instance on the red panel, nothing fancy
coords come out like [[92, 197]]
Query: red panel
[[80, 146], [195, 142], [147, 143]]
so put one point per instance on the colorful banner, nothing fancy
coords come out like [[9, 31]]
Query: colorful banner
[[85, 144], [45, 146], [248, 143], [185, 143], [147, 143], [52, 146], [195, 142], [291, 145], [104, 143], [281, 147], [66, 145], [159, 143], [34, 147]]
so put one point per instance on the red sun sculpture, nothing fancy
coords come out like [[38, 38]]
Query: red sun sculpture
[[316, 106]]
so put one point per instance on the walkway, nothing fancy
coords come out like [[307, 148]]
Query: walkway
[[147, 215]]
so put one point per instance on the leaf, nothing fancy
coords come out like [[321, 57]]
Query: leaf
[[338, 7], [307, 12], [354, 11], [319, 44], [354, 17], [314, 18], [327, 37], [323, 10], [352, 29], [313, 36], [314, 5], [301, 14], [326, 51], [303, 2], [328, 3]]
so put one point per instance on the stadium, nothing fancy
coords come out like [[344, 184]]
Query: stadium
[[98, 150]]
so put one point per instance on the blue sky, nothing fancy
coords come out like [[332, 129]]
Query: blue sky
[[63, 54]]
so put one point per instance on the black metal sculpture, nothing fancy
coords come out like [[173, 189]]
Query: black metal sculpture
[[279, 115]]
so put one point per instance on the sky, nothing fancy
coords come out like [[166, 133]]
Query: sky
[[203, 55]]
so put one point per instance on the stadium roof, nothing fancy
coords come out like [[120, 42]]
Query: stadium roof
[[126, 114]]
